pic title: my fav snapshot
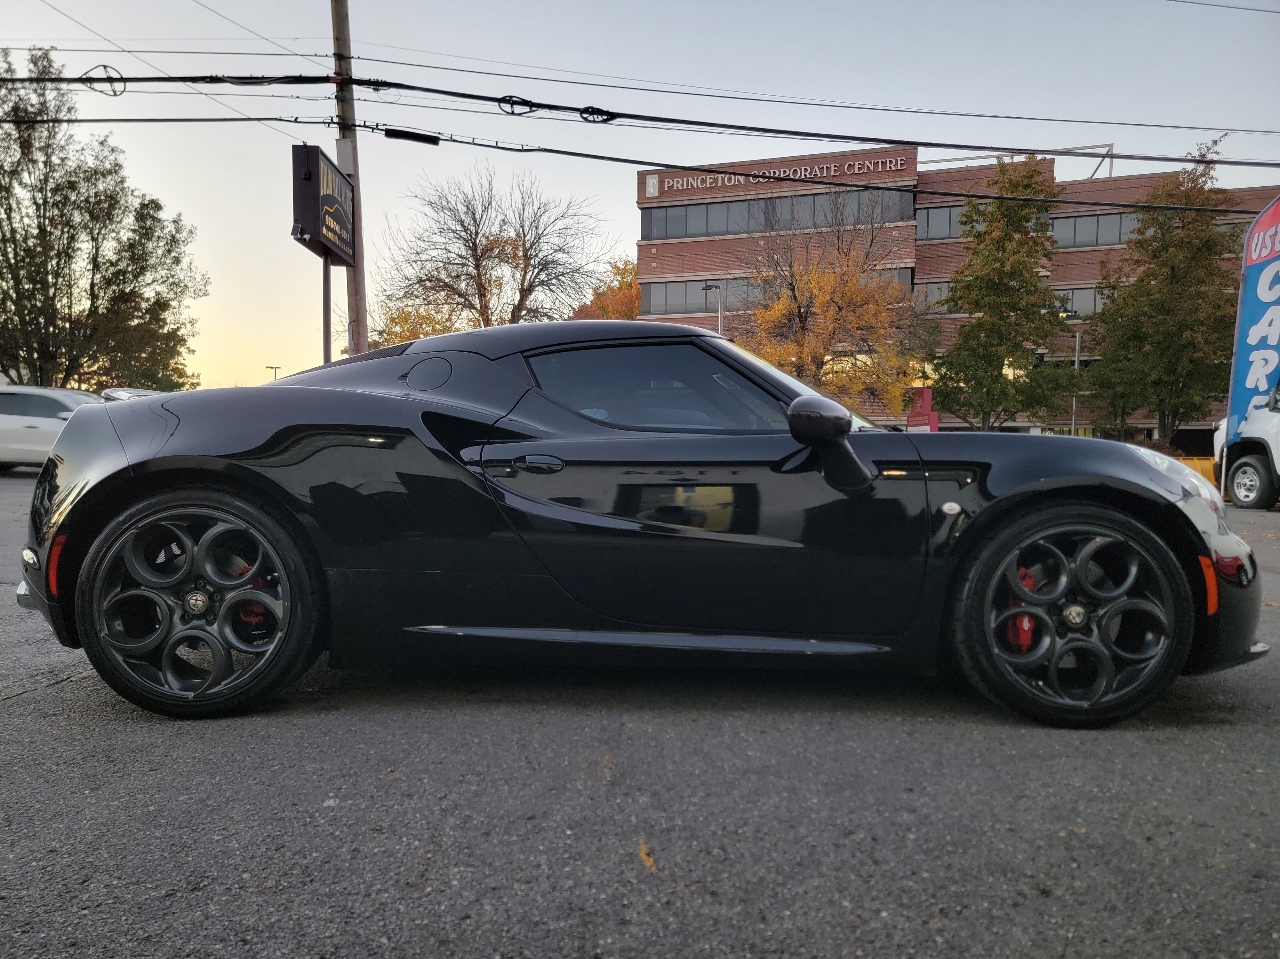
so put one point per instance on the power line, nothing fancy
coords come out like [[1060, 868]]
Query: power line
[[520, 106], [1225, 6], [107, 39], [396, 133], [704, 92], [236, 23], [744, 97]]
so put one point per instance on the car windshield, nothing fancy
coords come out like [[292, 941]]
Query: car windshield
[[769, 370]]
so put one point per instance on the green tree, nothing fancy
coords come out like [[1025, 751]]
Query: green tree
[[94, 279], [1164, 336], [995, 369]]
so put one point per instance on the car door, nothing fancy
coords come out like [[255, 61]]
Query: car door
[[12, 419], [660, 486], [46, 415]]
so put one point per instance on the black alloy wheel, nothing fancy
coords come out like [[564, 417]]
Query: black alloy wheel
[[197, 603], [1249, 484], [1076, 616]]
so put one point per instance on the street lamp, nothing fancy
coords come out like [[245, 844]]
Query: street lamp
[[719, 306], [1072, 318], [275, 372]]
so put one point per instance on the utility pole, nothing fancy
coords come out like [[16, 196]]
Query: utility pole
[[349, 163]]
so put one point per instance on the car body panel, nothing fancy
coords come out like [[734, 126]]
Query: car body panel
[[398, 472]]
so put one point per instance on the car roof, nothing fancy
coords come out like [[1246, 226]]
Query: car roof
[[22, 388], [496, 342]]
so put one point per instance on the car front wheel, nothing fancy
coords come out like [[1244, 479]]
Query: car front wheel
[[197, 603], [1074, 615]]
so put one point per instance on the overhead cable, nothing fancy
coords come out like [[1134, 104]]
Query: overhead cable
[[521, 106], [715, 93], [432, 137]]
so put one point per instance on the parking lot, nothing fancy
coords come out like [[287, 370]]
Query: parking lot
[[610, 811]]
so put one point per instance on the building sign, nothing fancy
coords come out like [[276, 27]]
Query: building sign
[[922, 418], [323, 210], [1255, 368], [841, 168]]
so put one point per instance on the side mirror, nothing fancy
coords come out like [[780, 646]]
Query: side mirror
[[824, 424], [65, 415]]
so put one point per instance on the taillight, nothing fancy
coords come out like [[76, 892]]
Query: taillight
[[55, 554]]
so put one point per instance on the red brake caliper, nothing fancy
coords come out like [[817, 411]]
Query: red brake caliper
[[252, 612], [1021, 629]]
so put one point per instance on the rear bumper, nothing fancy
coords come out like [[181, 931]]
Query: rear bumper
[[30, 597]]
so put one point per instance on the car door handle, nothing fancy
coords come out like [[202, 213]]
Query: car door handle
[[29, 426], [538, 463]]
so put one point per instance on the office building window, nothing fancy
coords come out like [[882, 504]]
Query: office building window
[[1106, 229], [929, 296], [688, 296], [776, 214], [938, 223], [1083, 302]]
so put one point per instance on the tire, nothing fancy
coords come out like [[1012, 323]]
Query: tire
[[198, 603], [1074, 615], [1250, 485]]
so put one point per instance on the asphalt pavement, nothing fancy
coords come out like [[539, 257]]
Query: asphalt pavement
[[630, 812]]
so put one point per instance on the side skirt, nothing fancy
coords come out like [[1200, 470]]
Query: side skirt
[[739, 644]]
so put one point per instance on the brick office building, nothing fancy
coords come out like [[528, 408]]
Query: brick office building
[[700, 229]]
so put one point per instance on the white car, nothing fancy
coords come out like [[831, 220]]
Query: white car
[[31, 417]]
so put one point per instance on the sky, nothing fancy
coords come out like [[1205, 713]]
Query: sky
[[1145, 61]]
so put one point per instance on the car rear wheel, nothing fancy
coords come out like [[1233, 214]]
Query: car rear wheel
[[1074, 615], [197, 603], [1249, 484]]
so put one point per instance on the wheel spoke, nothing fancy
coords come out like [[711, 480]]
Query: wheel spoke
[[195, 661], [1134, 630], [1085, 557], [1082, 672], [1032, 558], [1040, 650], [137, 620], [251, 620], [157, 555], [229, 554]]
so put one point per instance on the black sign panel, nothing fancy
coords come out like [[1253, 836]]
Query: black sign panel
[[322, 206]]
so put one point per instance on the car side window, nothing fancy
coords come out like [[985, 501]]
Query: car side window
[[668, 386], [11, 404], [44, 406]]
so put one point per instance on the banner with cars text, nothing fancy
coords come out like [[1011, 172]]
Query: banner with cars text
[[1255, 367]]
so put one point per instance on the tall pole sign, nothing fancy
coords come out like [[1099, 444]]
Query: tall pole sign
[[1255, 367], [323, 201], [349, 160]]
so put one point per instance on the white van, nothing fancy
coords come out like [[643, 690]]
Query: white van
[[31, 417]]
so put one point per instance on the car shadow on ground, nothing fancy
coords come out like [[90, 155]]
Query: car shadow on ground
[[840, 689]]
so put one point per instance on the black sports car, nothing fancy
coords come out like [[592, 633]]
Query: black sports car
[[624, 483]]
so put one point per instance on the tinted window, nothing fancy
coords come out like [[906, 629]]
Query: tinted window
[[696, 220], [717, 218], [1128, 226], [1064, 231], [646, 224], [1109, 229], [755, 216], [675, 297], [45, 406], [802, 213], [822, 216], [12, 404], [738, 217], [695, 297], [675, 222], [646, 298], [658, 293], [657, 387], [660, 223], [1086, 231]]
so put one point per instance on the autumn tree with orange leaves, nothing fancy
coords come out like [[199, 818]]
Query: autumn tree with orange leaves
[[831, 316], [616, 299]]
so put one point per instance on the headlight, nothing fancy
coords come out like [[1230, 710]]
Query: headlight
[[1192, 482]]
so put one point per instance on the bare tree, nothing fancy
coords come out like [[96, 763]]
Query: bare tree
[[494, 258]]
